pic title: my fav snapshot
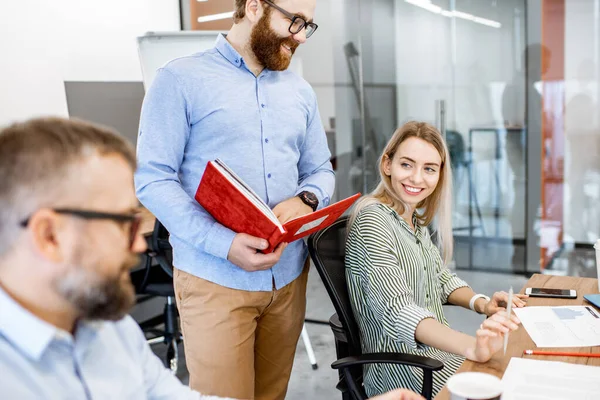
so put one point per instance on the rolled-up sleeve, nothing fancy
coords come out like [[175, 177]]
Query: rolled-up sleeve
[[449, 282], [383, 281]]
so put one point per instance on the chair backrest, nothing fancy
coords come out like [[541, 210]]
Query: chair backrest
[[327, 249], [160, 248]]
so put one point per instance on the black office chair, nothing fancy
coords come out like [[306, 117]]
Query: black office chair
[[327, 250], [158, 281]]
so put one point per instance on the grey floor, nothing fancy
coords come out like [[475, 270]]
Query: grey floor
[[307, 383]]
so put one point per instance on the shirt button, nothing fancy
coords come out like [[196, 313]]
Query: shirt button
[[268, 176], [262, 105], [266, 140]]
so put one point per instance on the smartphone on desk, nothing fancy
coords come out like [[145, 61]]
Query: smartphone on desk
[[556, 293], [593, 298]]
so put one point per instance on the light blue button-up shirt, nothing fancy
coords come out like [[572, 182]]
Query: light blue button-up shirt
[[104, 360], [267, 129]]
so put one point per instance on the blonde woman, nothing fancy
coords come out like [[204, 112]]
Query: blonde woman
[[397, 277]]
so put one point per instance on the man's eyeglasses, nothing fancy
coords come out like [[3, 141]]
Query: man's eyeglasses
[[134, 218], [298, 23]]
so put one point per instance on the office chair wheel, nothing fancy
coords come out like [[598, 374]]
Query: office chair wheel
[[172, 357]]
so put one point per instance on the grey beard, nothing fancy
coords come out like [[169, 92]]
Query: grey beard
[[95, 298]]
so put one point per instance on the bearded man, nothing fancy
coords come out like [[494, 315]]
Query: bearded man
[[241, 311]]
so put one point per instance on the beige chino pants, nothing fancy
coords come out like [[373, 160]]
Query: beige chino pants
[[238, 343]]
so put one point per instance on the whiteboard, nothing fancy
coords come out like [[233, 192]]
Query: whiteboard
[[155, 49]]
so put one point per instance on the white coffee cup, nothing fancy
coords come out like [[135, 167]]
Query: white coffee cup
[[597, 247], [474, 386]]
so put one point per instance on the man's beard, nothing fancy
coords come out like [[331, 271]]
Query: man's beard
[[96, 297], [266, 45]]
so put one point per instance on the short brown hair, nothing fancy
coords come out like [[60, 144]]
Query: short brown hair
[[239, 10], [35, 156]]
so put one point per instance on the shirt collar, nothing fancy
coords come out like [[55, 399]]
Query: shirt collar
[[418, 232], [30, 334], [227, 51]]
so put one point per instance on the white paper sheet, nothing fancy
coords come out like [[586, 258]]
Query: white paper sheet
[[528, 379], [567, 326]]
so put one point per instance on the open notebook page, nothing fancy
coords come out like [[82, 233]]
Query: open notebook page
[[248, 192]]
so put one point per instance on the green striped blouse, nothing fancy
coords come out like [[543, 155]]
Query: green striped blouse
[[396, 279]]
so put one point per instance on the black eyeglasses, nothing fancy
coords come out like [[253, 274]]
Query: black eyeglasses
[[134, 218], [298, 23]]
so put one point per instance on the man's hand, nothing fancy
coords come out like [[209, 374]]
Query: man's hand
[[291, 208], [244, 252], [399, 394], [490, 336], [498, 302]]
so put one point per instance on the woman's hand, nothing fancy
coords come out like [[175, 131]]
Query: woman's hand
[[490, 336], [499, 300]]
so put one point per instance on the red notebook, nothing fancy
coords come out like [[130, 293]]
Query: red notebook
[[235, 205]]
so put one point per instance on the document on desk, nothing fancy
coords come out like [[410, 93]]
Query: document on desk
[[566, 326], [526, 379]]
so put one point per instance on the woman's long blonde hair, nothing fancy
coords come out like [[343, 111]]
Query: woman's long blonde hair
[[438, 204]]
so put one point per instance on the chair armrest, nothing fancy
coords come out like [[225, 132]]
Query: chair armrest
[[425, 363], [335, 321]]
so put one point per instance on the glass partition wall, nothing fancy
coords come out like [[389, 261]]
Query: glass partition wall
[[448, 63], [456, 63], [513, 85], [568, 219]]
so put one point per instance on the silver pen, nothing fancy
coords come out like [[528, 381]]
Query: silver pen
[[508, 311]]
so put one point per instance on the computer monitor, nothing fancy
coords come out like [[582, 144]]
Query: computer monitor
[[114, 104]]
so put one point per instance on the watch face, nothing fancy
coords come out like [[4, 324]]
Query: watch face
[[309, 199]]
